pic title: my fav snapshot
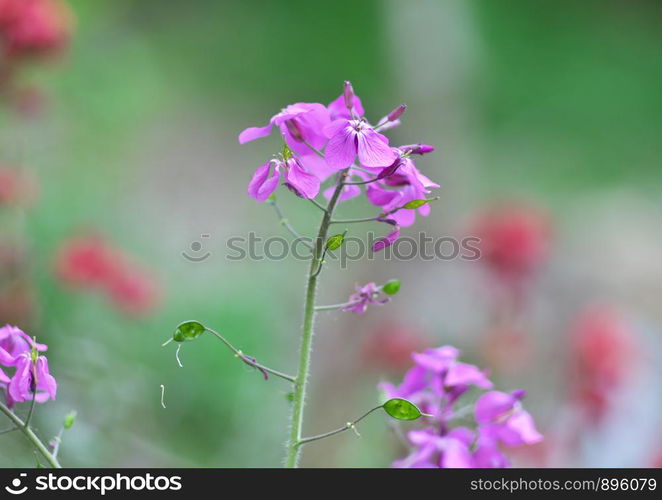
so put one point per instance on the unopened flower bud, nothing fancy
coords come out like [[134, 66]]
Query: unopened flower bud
[[519, 393], [294, 130], [348, 94], [417, 149], [396, 113]]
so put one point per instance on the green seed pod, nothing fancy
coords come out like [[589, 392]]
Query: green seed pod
[[391, 287], [188, 330]]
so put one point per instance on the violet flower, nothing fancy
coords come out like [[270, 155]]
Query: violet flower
[[297, 178], [451, 451], [351, 138], [364, 296], [31, 376], [410, 185], [436, 384], [501, 417], [14, 341], [31, 373]]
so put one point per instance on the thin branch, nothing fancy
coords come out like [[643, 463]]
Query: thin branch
[[402, 207], [386, 214], [360, 183], [320, 263], [346, 427], [318, 205], [31, 436], [315, 150], [333, 307], [57, 440], [250, 361], [31, 410], [287, 224], [353, 221]]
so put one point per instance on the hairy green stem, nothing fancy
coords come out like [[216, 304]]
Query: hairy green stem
[[31, 436], [296, 427]]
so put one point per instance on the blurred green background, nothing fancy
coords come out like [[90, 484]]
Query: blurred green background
[[555, 102]]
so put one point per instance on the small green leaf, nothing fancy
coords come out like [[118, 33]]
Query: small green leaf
[[334, 242], [69, 419], [188, 330], [414, 204], [402, 409], [391, 287], [289, 396]]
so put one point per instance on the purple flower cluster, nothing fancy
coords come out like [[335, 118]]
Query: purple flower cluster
[[31, 376], [436, 384], [322, 140]]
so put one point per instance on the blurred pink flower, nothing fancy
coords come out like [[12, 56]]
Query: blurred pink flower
[[603, 354], [89, 261], [17, 187], [133, 291], [515, 240], [34, 27], [390, 346]]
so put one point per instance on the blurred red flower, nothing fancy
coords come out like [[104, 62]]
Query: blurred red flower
[[34, 28], [515, 240], [603, 353], [390, 346], [17, 187], [91, 261]]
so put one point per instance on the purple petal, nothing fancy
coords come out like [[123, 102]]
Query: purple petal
[[492, 405], [414, 381], [263, 182], [465, 374], [463, 435], [380, 196], [422, 436], [317, 166], [386, 241], [489, 457], [404, 217], [341, 149], [335, 127], [45, 381], [6, 358], [431, 361], [519, 429], [455, 455], [252, 133], [305, 183], [311, 119], [19, 386], [338, 109], [373, 149]]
